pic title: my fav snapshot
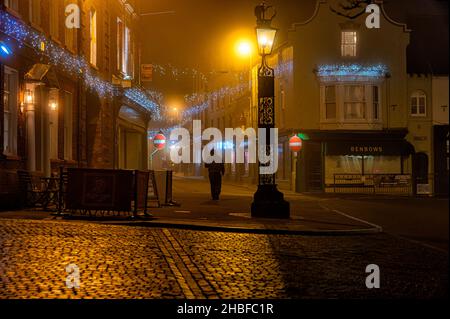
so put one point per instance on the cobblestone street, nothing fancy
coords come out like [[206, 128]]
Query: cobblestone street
[[134, 262]]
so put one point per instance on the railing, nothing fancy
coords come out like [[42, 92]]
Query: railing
[[400, 184]]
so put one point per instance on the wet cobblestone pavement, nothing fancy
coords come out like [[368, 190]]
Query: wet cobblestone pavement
[[133, 262]]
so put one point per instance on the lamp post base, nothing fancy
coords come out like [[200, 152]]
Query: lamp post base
[[269, 203]]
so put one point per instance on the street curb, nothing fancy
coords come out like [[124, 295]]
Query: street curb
[[261, 231]]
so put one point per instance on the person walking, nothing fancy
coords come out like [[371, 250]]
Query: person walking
[[216, 171]]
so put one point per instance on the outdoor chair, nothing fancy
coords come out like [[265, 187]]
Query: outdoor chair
[[35, 194]]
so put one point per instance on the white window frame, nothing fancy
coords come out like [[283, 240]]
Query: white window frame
[[125, 52], [417, 95], [54, 20], [330, 102], [10, 110], [349, 46], [369, 109], [363, 102], [34, 9], [12, 5]]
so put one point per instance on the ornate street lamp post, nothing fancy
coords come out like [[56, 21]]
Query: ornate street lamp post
[[268, 201]]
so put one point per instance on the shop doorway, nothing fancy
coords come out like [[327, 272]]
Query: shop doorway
[[314, 167], [420, 174]]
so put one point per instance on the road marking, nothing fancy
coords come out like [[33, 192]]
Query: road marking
[[420, 243], [381, 230], [378, 227]]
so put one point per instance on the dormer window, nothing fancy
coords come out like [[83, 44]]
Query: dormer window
[[349, 41]]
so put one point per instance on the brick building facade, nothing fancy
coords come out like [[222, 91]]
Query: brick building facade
[[70, 96]]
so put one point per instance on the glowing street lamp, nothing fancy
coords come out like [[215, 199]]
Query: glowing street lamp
[[268, 200], [266, 38]]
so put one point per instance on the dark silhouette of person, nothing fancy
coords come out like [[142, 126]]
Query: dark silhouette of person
[[216, 170]]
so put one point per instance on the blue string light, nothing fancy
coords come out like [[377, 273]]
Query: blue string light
[[345, 70], [69, 63]]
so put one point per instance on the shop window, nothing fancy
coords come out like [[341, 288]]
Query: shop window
[[354, 102], [342, 165], [10, 98], [382, 165], [349, 41], [418, 104], [93, 36], [68, 125], [35, 11], [12, 4], [330, 102]]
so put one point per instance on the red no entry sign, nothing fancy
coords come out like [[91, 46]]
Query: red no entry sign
[[159, 141], [295, 144]]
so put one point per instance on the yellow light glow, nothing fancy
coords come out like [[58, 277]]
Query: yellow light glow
[[29, 97], [244, 48], [53, 106]]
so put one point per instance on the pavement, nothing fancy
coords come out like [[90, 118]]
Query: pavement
[[196, 211]]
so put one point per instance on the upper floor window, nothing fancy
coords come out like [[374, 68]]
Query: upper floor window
[[418, 104], [35, 11], [70, 34], [349, 41], [10, 99], [354, 102], [12, 4], [54, 19], [350, 103], [124, 49], [93, 36]]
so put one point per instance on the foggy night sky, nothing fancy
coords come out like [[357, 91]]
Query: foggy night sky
[[198, 34]]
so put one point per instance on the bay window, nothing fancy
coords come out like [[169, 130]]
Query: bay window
[[350, 103]]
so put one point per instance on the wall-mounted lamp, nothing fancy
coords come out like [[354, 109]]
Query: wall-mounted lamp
[[29, 96], [53, 105], [22, 107]]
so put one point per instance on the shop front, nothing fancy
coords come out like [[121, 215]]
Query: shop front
[[354, 162]]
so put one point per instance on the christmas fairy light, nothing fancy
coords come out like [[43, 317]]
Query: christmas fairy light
[[69, 63], [345, 70], [139, 97]]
